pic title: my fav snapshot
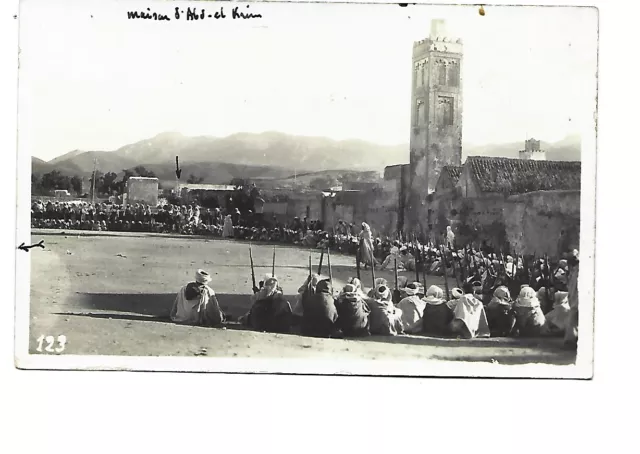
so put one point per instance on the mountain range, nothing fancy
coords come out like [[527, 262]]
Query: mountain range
[[269, 155]]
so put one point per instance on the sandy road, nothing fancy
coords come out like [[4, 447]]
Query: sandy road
[[110, 294]]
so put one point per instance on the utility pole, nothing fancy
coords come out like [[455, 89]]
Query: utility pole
[[93, 183]]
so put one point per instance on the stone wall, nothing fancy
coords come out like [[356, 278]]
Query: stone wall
[[535, 220], [526, 223], [142, 190]]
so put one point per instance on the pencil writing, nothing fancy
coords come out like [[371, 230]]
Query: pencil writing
[[195, 14]]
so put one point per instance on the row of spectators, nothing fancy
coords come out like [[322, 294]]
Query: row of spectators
[[487, 267]]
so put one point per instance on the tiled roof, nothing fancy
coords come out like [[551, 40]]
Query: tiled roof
[[517, 176], [453, 172]]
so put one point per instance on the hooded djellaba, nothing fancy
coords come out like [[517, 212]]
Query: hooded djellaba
[[438, 312], [377, 283], [353, 312], [530, 320], [412, 307], [558, 318], [319, 311], [270, 311], [308, 287], [196, 303], [500, 314], [469, 318], [385, 319]]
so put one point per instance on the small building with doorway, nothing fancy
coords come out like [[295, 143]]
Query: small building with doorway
[[142, 190]]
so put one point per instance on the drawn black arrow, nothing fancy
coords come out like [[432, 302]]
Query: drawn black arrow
[[25, 248], [178, 169]]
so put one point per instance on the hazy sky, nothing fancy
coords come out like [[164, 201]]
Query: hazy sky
[[91, 79]]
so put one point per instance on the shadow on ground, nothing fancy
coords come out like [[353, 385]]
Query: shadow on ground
[[158, 305]]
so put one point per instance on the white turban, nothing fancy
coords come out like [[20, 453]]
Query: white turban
[[202, 277]]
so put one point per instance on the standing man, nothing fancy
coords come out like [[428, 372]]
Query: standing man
[[571, 330]]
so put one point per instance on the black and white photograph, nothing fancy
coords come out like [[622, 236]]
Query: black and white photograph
[[307, 188]]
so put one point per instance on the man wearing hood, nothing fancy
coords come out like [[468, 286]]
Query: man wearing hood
[[469, 318], [500, 314], [385, 318], [558, 317], [530, 320], [438, 312], [412, 307], [270, 311], [319, 311], [353, 312]]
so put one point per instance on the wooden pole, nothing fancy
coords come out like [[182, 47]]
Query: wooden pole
[[321, 259], [273, 264]]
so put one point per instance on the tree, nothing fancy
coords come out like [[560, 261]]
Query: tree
[[194, 179], [141, 171], [36, 184], [76, 184], [55, 180], [108, 183]]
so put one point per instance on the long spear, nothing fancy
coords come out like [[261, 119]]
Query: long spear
[[253, 274], [310, 272], [396, 291], [273, 264], [321, 258], [373, 277], [329, 265], [446, 283], [424, 269], [357, 262], [416, 256], [549, 280]]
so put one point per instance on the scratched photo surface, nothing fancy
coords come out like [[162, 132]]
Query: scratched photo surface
[[306, 188]]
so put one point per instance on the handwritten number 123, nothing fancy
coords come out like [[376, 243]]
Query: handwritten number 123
[[50, 341]]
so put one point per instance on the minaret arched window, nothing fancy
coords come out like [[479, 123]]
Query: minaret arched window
[[453, 77], [442, 73], [419, 113]]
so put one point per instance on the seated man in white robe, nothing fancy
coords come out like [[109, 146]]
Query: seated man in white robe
[[196, 303], [469, 318], [412, 307], [530, 320]]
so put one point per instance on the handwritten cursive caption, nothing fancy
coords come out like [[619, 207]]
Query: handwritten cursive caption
[[195, 14]]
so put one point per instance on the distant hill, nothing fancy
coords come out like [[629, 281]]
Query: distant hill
[[267, 156], [273, 149], [568, 149]]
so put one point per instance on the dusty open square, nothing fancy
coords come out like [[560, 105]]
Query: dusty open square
[[111, 294]]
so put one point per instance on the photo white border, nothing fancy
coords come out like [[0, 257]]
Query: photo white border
[[582, 369]]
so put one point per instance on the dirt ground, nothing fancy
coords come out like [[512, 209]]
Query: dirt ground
[[110, 294]]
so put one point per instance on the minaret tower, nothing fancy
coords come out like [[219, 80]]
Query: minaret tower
[[436, 117]]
